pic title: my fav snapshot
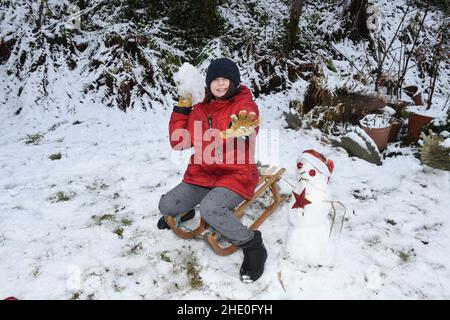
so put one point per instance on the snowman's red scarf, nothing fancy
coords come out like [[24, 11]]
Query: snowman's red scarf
[[318, 160]]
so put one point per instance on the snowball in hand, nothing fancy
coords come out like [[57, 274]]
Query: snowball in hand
[[189, 80]]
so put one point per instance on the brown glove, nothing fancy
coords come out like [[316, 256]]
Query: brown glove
[[185, 102], [241, 126]]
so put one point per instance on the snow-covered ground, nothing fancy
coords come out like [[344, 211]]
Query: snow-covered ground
[[84, 226]]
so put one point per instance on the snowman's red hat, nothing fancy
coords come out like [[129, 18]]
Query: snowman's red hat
[[318, 160]]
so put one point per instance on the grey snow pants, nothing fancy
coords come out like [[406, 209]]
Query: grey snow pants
[[216, 208]]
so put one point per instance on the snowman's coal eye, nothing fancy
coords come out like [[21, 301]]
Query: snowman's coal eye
[[299, 165], [312, 172]]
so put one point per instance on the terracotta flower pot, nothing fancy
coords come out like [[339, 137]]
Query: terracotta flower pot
[[393, 134], [379, 135], [414, 93], [415, 123]]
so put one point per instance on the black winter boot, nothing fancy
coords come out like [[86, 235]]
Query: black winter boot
[[255, 255], [162, 224]]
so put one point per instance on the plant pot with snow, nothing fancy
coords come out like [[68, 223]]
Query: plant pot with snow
[[415, 93], [416, 122], [419, 117], [377, 127], [395, 129]]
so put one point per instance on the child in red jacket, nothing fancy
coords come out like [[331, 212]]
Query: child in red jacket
[[222, 172]]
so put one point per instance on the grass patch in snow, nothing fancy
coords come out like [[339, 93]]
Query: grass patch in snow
[[55, 156], [391, 222], [406, 256], [33, 138], [193, 273], [165, 257], [76, 295], [60, 196], [119, 232], [117, 209], [117, 287], [56, 125], [36, 271], [106, 217], [97, 185], [126, 222], [136, 249]]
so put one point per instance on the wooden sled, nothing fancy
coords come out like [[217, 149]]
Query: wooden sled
[[268, 180]]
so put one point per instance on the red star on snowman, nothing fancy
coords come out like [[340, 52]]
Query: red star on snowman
[[300, 200]]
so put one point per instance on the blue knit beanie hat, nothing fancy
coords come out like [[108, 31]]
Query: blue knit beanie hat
[[223, 67]]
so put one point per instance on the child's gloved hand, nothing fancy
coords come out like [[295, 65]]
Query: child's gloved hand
[[185, 102], [241, 126]]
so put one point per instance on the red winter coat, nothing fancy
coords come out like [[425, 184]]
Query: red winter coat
[[216, 163]]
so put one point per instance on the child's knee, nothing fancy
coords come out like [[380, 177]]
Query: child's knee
[[209, 211], [205, 209], [165, 206]]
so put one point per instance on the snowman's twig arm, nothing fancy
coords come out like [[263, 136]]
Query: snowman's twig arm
[[334, 215], [334, 218]]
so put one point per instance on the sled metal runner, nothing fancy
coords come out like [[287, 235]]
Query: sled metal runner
[[267, 181]]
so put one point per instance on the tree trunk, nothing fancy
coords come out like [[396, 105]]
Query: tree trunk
[[294, 19], [440, 53], [41, 13], [358, 18]]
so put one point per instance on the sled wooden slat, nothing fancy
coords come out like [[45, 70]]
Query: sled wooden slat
[[172, 222], [267, 181]]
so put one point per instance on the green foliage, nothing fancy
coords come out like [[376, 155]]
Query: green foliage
[[405, 114], [443, 5], [192, 22], [437, 127], [197, 20], [169, 63], [330, 65]]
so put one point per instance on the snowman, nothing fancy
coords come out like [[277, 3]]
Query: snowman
[[309, 216]]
